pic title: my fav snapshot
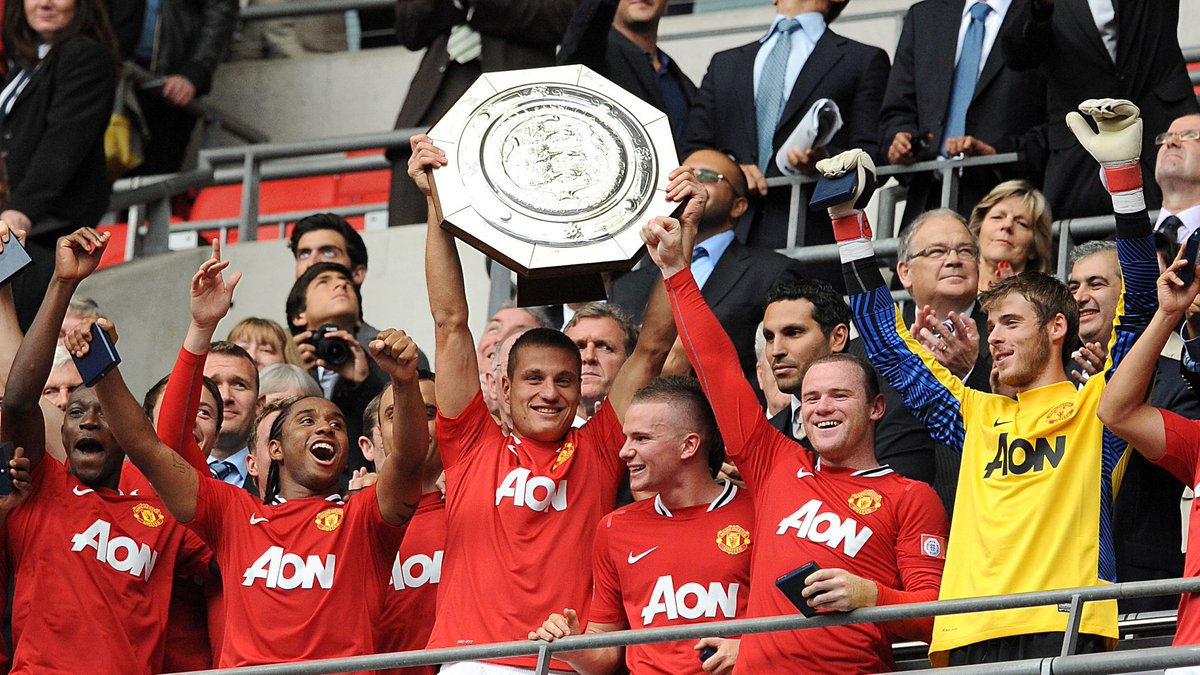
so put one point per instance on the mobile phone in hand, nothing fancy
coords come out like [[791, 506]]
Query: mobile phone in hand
[[101, 357], [13, 259], [6, 452], [792, 586], [1189, 254]]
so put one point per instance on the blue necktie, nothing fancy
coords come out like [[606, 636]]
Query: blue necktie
[[966, 74], [221, 470], [768, 103]]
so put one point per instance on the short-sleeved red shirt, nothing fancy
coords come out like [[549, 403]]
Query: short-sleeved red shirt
[[659, 567], [411, 599], [93, 563], [1183, 461], [520, 516], [303, 579]]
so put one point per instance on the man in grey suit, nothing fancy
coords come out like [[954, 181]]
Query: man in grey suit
[[733, 278], [462, 39]]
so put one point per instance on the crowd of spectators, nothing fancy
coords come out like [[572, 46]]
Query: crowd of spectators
[[316, 487]]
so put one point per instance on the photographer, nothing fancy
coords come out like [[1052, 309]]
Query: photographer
[[324, 311]]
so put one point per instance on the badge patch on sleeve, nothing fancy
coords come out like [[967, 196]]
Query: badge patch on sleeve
[[933, 546]]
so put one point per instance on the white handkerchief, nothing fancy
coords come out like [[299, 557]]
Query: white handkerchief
[[814, 130]]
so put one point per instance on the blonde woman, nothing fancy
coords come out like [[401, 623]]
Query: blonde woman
[[266, 341], [1012, 223]]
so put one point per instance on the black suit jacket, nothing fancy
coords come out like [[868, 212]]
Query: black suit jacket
[[1064, 42], [591, 40], [850, 73], [736, 292], [53, 139], [1006, 104], [513, 35], [901, 441]]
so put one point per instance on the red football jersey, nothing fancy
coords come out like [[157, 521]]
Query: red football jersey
[[93, 563], [519, 520], [657, 567], [303, 579], [1183, 461], [411, 599], [872, 523]]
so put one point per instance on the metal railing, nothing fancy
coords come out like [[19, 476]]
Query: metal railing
[[1070, 601], [211, 116]]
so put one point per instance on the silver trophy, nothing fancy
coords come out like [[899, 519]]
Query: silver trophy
[[552, 172]]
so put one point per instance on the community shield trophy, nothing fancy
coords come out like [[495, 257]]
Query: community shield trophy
[[552, 172]]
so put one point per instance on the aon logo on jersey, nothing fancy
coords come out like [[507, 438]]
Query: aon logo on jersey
[[690, 601], [823, 527], [1019, 456], [287, 570], [120, 553], [537, 493], [417, 570]]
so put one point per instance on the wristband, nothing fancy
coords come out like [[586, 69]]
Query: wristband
[[851, 226], [1123, 178]]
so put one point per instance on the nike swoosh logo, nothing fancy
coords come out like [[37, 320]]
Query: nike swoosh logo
[[803, 473], [80, 493], [256, 519], [634, 558], [998, 422]]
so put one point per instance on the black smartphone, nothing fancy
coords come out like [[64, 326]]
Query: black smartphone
[[792, 585], [707, 653], [1189, 254], [13, 259], [101, 358], [6, 452]]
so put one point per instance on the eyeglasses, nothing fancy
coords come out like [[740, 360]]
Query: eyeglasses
[[710, 176], [940, 252], [1177, 136]]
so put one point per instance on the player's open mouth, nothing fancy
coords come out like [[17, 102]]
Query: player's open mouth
[[541, 410], [827, 424], [88, 445], [323, 451], [636, 469]]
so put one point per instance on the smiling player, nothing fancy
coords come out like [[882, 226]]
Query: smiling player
[[306, 563]]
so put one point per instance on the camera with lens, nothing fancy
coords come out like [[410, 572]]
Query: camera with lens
[[333, 351]]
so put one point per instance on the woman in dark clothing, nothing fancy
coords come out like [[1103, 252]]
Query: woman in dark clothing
[[54, 108]]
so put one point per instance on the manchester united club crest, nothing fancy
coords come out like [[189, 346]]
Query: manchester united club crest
[[565, 453], [733, 539], [865, 502], [148, 515], [1060, 412], [329, 519]]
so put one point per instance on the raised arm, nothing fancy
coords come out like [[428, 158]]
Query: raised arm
[[930, 391], [1123, 407], [10, 328], [399, 486], [658, 326], [708, 347], [76, 256], [211, 298], [176, 481], [458, 370]]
